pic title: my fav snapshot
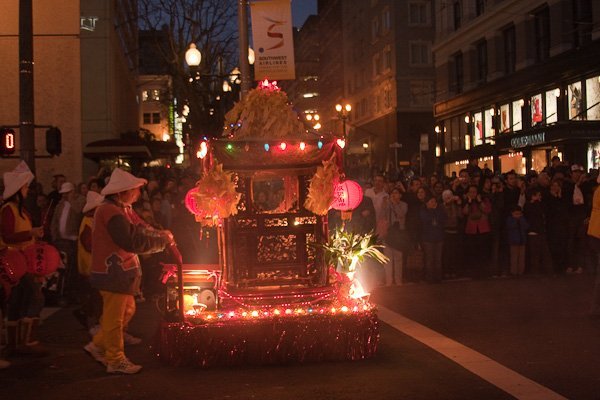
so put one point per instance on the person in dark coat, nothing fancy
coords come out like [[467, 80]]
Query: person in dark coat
[[558, 223], [433, 220]]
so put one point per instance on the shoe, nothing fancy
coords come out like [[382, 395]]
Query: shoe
[[95, 352], [123, 367], [569, 270], [4, 364], [578, 271], [131, 340]]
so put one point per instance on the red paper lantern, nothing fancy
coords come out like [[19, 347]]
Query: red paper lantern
[[42, 259], [347, 196], [190, 201], [13, 266]]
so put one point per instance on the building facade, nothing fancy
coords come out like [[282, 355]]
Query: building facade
[[57, 82], [375, 56], [84, 77], [517, 83]]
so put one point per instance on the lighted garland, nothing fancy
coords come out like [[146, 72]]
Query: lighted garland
[[214, 197], [264, 113], [321, 189]]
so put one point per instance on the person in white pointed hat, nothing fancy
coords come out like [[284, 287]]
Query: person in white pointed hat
[[118, 236], [91, 308], [26, 300]]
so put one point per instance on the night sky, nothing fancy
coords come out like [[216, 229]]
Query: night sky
[[301, 9]]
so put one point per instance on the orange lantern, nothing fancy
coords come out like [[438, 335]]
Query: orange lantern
[[347, 196], [42, 259], [13, 266]]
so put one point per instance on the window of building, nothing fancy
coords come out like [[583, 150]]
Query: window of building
[[592, 95], [155, 94], [376, 65], [386, 20], [144, 95], [147, 118], [457, 13], [156, 118], [478, 128], [488, 125], [482, 64], [479, 7], [455, 134], [552, 106], [542, 33], [517, 115], [421, 92], [504, 118], [375, 29], [456, 79], [537, 110], [510, 49], [420, 53], [387, 97], [418, 13], [387, 58], [576, 110], [582, 22]]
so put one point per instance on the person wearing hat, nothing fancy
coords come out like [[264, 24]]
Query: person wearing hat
[[91, 307], [593, 232], [118, 237], [64, 230], [26, 299]]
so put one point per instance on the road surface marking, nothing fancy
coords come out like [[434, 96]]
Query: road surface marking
[[497, 374], [47, 312]]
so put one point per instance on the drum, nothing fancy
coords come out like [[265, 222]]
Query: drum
[[13, 266], [42, 259]]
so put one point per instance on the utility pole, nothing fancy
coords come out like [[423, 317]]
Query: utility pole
[[243, 31], [26, 118]]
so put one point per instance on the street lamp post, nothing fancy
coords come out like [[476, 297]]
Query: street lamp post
[[343, 112]]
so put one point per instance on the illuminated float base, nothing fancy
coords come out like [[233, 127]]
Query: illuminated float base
[[304, 335]]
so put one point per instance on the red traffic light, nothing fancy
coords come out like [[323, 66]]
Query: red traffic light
[[7, 141]]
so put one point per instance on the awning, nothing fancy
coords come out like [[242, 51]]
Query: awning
[[132, 149]]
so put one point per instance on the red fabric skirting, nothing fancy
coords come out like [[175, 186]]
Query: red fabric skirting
[[292, 339]]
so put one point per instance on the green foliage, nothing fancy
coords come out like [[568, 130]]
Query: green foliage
[[346, 249]]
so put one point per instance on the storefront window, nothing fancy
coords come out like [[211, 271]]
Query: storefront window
[[513, 161], [594, 155], [478, 129], [489, 114], [517, 115], [551, 106], [456, 134], [504, 118], [538, 160], [447, 134], [592, 87], [576, 110], [537, 110]]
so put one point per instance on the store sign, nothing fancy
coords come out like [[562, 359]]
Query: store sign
[[528, 140]]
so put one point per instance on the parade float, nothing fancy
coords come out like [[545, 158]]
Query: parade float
[[283, 291]]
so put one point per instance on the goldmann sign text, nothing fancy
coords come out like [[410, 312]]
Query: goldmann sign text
[[528, 140]]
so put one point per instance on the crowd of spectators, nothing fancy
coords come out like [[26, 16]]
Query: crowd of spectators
[[480, 224]]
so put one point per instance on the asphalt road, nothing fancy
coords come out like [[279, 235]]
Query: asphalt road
[[537, 327]]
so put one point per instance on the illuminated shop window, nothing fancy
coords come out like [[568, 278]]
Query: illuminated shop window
[[576, 110], [537, 110], [592, 96]]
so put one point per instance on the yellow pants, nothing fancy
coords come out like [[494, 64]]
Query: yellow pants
[[116, 314]]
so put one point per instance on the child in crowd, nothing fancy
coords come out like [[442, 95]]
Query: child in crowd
[[516, 229]]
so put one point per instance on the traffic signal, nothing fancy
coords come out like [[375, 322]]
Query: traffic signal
[[53, 141], [7, 141]]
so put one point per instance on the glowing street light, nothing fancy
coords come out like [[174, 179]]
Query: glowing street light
[[193, 56]]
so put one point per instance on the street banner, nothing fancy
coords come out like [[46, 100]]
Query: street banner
[[272, 39]]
